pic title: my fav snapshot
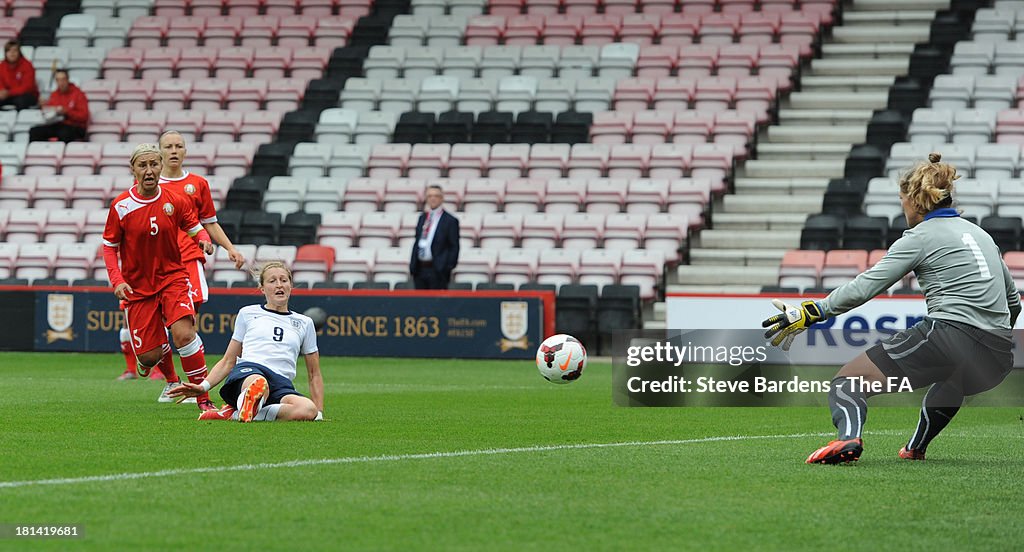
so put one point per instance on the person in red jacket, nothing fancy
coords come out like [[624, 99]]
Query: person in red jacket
[[69, 102], [17, 78]]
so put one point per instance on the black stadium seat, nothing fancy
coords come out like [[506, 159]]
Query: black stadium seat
[[492, 127], [413, 127], [1006, 231], [822, 232], [260, 228], [453, 127], [864, 232], [575, 310], [618, 308], [531, 128]]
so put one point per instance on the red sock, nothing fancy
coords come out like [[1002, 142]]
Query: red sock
[[129, 358], [166, 365], [193, 362]]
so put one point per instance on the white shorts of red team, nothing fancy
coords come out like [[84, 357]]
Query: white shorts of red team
[[197, 286]]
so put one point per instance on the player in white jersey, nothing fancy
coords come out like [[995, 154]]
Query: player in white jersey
[[259, 364], [962, 348]]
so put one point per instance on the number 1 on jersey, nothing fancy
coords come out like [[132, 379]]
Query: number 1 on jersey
[[978, 256]]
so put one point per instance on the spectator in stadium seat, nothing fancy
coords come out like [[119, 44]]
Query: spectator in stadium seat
[[258, 367], [436, 250], [70, 105], [17, 79]]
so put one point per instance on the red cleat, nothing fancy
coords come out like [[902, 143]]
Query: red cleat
[[253, 398], [224, 413], [206, 405], [911, 454], [837, 452], [126, 375]]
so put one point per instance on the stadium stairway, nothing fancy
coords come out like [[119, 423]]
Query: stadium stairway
[[818, 124]]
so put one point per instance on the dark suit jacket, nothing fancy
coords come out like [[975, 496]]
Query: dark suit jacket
[[444, 248]]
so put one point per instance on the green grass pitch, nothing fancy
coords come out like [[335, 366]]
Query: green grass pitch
[[62, 416]]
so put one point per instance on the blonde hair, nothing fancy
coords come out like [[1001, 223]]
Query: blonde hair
[[929, 184], [142, 149], [258, 273]]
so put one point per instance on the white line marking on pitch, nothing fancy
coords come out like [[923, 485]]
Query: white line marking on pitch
[[396, 458]]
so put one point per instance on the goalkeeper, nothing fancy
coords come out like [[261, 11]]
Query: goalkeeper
[[961, 348]]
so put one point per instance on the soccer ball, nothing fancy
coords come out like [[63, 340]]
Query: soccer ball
[[561, 358]]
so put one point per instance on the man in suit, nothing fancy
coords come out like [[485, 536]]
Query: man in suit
[[436, 249]]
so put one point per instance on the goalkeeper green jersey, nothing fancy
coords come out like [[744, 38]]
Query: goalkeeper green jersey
[[958, 267]]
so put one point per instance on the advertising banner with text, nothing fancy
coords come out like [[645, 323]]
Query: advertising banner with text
[[407, 324]]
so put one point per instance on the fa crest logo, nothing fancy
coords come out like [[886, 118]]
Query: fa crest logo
[[190, 189], [168, 209], [297, 324]]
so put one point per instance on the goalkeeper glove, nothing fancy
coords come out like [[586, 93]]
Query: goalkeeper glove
[[783, 328]]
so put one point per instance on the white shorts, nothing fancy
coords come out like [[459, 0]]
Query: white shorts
[[197, 287]]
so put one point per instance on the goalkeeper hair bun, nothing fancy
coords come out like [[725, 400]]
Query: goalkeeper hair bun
[[929, 185]]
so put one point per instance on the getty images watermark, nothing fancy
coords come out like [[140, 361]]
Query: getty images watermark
[[739, 368]]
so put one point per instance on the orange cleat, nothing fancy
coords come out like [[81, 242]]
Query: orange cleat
[[224, 413], [253, 398], [907, 454], [837, 452]]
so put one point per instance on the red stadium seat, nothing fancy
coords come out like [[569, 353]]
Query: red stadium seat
[[624, 231], [338, 229], [121, 63], [606, 195], [588, 160], [646, 196], [483, 195], [187, 123], [388, 160], [148, 32], [234, 63], [159, 63], [363, 195], [222, 32], [259, 127], [221, 126], [548, 160], [501, 230], [81, 158], [379, 229], [185, 31], [523, 195], [468, 160], [564, 195], [333, 32], [107, 126], [17, 192], [259, 31], [612, 127], [516, 266], [651, 127], [508, 160], [171, 95], [801, 269], [557, 267], [92, 191], [475, 265], [428, 160], [600, 267], [404, 195]]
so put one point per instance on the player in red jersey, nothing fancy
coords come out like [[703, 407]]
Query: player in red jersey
[[143, 223], [197, 189]]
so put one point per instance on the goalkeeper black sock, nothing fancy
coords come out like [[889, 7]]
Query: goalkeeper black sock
[[849, 408], [940, 404]]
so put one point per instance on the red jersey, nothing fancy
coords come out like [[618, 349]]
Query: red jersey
[[146, 232], [75, 104], [196, 189], [18, 78]]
